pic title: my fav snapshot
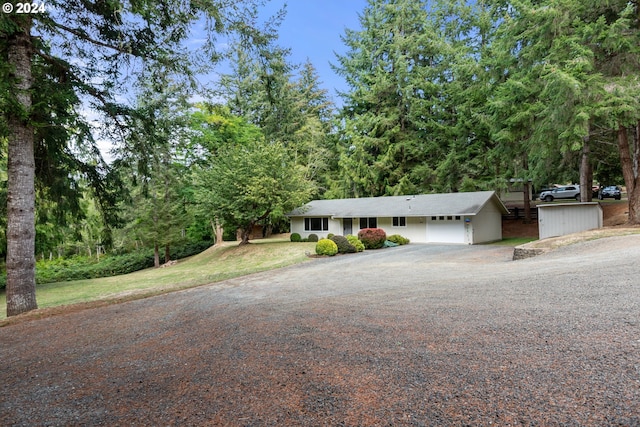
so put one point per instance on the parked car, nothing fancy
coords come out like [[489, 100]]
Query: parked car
[[566, 192], [611, 191]]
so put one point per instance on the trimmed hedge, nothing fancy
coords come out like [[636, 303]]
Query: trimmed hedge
[[312, 238], [295, 237], [344, 247], [355, 242], [398, 239], [82, 267], [326, 247], [372, 238]]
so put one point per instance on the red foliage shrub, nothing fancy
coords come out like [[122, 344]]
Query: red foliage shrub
[[372, 238]]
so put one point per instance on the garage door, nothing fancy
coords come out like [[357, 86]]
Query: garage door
[[445, 231]]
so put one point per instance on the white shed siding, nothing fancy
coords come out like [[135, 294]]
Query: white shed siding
[[566, 218], [487, 225]]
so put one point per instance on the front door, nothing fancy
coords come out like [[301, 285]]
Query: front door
[[347, 226]]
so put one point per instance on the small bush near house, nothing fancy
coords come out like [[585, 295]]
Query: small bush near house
[[295, 237], [312, 238], [330, 235], [372, 238], [326, 247], [355, 242], [344, 247], [398, 239]]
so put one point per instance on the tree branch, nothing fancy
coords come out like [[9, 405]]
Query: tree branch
[[84, 36]]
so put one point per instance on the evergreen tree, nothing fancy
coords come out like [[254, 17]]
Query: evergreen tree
[[88, 48]]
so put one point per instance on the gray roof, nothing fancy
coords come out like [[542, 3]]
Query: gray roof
[[389, 206]]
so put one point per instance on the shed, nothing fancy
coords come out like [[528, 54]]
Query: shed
[[466, 218], [566, 218]]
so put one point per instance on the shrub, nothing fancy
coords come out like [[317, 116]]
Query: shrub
[[295, 237], [312, 238], [398, 239], [355, 242], [372, 238], [330, 235], [83, 267], [344, 247], [326, 247]]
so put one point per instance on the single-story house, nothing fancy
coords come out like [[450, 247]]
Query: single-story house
[[464, 218]]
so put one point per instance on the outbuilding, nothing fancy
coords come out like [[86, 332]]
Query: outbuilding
[[462, 218], [559, 219]]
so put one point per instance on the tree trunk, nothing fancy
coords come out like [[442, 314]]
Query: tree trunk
[[156, 255], [586, 172], [244, 234], [525, 186], [218, 232], [167, 253], [630, 175], [21, 281]]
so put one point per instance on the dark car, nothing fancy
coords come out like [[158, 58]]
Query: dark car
[[611, 192]]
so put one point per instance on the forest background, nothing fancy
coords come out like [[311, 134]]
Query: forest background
[[442, 96]]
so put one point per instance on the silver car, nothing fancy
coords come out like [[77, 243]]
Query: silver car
[[566, 192]]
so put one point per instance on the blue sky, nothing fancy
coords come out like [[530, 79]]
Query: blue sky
[[312, 29]]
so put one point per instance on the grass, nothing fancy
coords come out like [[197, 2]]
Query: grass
[[213, 265], [514, 241]]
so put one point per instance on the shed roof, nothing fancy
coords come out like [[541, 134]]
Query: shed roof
[[389, 206]]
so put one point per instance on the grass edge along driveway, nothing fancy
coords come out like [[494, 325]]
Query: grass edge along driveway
[[213, 265]]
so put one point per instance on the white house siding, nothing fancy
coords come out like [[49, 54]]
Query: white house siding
[[487, 225], [414, 230], [444, 230], [297, 226], [566, 218]]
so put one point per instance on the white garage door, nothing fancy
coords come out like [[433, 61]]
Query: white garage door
[[445, 231]]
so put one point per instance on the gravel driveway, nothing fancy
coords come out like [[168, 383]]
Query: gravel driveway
[[416, 335]]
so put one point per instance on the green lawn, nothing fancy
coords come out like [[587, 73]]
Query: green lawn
[[213, 265]]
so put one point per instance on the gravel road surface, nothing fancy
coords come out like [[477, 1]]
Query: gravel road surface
[[417, 335]]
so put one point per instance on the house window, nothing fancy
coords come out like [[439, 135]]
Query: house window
[[441, 218], [368, 223], [399, 221], [316, 224], [449, 218], [457, 217], [434, 218]]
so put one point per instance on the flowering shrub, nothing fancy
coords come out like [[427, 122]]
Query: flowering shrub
[[398, 239], [372, 238], [326, 247], [355, 242], [344, 247], [295, 237]]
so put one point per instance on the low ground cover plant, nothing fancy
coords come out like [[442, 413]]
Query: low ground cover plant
[[372, 238], [398, 239]]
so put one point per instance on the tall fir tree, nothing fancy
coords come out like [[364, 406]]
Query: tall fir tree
[[90, 47]]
